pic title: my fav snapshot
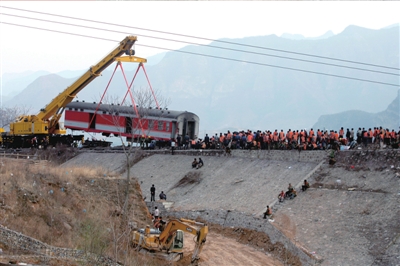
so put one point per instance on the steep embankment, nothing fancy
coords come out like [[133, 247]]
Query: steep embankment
[[349, 216]]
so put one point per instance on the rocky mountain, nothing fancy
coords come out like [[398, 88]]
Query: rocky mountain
[[389, 118], [40, 92], [254, 91]]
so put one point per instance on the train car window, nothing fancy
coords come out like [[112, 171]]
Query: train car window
[[167, 126], [151, 124], [160, 125]]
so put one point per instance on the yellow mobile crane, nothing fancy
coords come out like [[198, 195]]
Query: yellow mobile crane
[[46, 122], [170, 240]]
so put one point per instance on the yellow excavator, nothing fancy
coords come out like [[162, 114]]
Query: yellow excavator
[[46, 124], [170, 239]]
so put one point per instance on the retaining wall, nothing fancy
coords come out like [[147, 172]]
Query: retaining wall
[[276, 155], [315, 156], [15, 240]]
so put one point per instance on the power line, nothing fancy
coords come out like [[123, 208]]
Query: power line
[[211, 56], [203, 38], [211, 46]]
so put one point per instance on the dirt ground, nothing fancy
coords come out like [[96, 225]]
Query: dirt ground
[[219, 250]]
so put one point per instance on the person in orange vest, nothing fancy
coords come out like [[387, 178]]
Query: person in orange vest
[[314, 144], [249, 139], [281, 136], [311, 135], [323, 141], [331, 137], [365, 138], [387, 137], [275, 139], [302, 137], [229, 136], [319, 132], [370, 135], [376, 135], [393, 136], [221, 138], [266, 139], [341, 133]]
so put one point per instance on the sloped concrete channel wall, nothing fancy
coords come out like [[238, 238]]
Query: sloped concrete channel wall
[[275, 155], [228, 218]]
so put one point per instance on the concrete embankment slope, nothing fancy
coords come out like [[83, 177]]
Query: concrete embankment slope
[[247, 181], [231, 191], [231, 183]]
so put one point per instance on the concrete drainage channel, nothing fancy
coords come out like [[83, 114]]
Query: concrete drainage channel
[[235, 219]]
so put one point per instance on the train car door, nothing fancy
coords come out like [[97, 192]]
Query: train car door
[[128, 125], [92, 121], [173, 129], [191, 129], [184, 128]]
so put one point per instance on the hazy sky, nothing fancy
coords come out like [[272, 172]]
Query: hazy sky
[[24, 48]]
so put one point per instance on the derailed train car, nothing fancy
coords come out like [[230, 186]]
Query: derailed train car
[[154, 123]]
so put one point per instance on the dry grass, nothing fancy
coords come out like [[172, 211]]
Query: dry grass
[[71, 207]]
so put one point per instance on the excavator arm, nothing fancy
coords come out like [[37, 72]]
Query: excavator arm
[[46, 121]]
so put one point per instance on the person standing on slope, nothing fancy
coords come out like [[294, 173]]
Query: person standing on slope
[[153, 193]]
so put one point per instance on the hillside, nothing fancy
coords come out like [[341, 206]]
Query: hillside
[[216, 89], [348, 217]]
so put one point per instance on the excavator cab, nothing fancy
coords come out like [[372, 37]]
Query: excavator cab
[[177, 245]]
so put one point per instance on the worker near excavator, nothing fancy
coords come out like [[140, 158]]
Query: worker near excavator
[[156, 213], [159, 224]]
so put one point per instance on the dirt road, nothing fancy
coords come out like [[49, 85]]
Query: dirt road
[[220, 250]]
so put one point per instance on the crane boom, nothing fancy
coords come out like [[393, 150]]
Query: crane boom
[[45, 125], [47, 120]]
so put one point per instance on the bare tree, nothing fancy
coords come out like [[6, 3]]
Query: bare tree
[[140, 110], [142, 104], [10, 114]]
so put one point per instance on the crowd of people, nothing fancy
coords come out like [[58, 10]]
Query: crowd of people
[[157, 220], [293, 139]]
